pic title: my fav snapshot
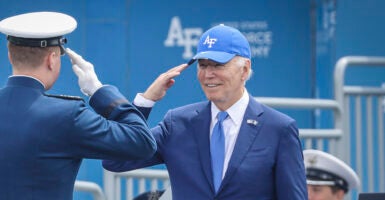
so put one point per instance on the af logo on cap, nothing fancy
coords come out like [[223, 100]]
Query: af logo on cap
[[210, 41]]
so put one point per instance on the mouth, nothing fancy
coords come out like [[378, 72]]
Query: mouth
[[212, 85]]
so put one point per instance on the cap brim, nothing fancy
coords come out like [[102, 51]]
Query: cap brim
[[217, 56], [319, 182]]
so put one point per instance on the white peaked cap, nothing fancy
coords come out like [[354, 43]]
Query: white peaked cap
[[38, 25], [325, 169]]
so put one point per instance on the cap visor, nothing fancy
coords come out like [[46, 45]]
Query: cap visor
[[319, 182], [217, 56]]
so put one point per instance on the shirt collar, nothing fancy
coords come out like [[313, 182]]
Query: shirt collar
[[236, 111]]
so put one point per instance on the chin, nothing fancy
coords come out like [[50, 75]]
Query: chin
[[213, 98]]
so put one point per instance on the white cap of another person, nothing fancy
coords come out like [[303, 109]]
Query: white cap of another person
[[325, 169], [38, 29], [221, 43]]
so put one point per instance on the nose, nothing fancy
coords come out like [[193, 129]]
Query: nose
[[209, 71]]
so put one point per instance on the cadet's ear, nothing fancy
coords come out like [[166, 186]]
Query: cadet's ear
[[51, 59]]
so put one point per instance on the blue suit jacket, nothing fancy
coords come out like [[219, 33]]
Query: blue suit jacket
[[44, 138], [266, 163]]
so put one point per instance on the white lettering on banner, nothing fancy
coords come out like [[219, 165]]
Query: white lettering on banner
[[257, 33], [210, 41], [191, 40], [175, 33], [260, 38], [260, 51], [187, 38]]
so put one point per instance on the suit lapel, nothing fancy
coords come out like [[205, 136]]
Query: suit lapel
[[201, 127], [250, 127]]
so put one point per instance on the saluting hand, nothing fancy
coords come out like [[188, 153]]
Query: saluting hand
[[159, 87], [88, 81]]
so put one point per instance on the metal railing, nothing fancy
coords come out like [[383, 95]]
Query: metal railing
[[90, 187], [146, 179], [363, 123], [309, 135]]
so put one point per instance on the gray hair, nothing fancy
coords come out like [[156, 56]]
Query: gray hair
[[241, 62]]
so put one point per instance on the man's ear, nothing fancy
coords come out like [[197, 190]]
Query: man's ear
[[246, 70], [50, 59]]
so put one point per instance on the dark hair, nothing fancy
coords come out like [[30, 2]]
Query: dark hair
[[335, 189]]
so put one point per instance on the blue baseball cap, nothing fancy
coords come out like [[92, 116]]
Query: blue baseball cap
[[222, 43]]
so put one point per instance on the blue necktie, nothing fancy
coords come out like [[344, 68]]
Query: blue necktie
[[217, 150]]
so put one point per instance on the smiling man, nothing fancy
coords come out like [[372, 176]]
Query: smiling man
[[231, 146]]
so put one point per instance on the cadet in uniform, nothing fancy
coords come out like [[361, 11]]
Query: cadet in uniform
[[328, 178], [43, 138]]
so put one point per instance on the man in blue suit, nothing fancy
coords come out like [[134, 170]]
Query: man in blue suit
[[43, 138], [261, 157]]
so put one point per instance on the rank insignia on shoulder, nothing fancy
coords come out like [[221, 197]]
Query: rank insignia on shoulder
[[65, 97]]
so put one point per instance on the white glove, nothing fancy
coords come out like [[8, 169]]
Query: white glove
[[88, 81]]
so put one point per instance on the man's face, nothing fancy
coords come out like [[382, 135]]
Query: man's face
[[223, 84], [323, 192]]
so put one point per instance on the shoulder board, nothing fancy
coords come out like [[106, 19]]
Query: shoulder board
[[65, 97]]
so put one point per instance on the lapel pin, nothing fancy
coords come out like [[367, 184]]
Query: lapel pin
[[252, 121]]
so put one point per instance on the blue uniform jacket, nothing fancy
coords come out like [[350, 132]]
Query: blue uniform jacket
[[44, 138], [266, 164]]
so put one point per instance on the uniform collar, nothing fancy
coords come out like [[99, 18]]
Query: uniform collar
[[25, 81]]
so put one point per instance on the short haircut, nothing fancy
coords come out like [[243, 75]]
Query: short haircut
[[29, 56]]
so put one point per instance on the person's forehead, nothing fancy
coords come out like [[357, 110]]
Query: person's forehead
[[319, 186], [207, 61], [211, 62], [320, 189]]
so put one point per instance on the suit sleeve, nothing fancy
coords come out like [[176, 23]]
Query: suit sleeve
[[160, 133], [144, 110], [290, 170]]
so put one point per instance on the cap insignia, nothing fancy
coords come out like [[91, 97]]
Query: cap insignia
[[312, 160], [209, 41]]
